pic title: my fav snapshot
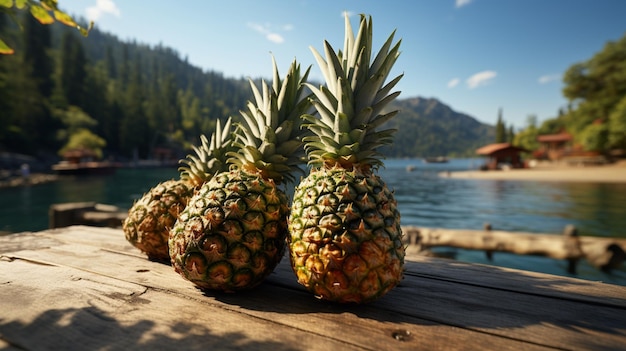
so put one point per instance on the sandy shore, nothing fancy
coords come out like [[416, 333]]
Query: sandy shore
[[33, 179], [611, 173]]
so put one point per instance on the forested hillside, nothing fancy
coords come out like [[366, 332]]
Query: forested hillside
[[134, 97], [60, 90], [429, 128]]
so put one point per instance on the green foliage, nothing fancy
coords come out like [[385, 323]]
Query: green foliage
[[552, 126], [510, 134], [141, 97], [37, 43], [73, 119], [596, 87], [617, 126], [78, 133], [596, 114], [44, 11], [594, 137], [527, 138], [73, 73], [84, 139]]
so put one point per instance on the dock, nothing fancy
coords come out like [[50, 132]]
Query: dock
[[86, 288]]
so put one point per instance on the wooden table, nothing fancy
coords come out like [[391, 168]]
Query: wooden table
[[86, 288]]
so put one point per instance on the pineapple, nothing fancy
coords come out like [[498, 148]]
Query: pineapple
[[345, 239], [232, 234], [154, 214]]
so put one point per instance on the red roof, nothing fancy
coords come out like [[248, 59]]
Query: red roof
[[546, 138], [491, 148], [79, 153]]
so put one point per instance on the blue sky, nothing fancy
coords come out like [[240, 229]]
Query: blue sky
[[477, 56]]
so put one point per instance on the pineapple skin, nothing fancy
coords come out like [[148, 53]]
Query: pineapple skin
[[345, 238], [153, 215], [232, 233]]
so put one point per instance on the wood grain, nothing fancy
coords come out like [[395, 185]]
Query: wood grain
[[77, 286]]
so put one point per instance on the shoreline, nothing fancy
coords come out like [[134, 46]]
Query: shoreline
[[32, 179], [610, 173]]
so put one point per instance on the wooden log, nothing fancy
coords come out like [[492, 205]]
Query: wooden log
[[572, 246], [488, 253], [66, 214], [603, 253], [85, 213]]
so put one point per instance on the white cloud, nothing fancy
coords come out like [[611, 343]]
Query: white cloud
[[100, 8], [269, 34], [275, 38], [461, 3], [453, 82], [548, 78], [480, 78]]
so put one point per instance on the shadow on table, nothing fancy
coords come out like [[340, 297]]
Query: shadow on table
[[490, 299], [91, 328]]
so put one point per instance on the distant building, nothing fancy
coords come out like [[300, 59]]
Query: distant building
[[554, 146], [502, 155], [79, 155]]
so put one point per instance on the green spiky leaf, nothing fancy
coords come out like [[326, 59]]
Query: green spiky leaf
[[351, 103], [269, 139]]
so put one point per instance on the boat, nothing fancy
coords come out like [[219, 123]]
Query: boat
[[82, 162], [438, 159]]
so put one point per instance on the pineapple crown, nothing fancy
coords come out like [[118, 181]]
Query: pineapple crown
[[210, 157], [351, 103], [269, 139]]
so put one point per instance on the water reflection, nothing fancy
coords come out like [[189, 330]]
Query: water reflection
[[430, 201], [79, 189]]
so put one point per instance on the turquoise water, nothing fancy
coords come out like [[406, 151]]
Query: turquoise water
[[424, 200]]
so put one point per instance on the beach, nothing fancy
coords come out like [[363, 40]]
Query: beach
[[555, 172]]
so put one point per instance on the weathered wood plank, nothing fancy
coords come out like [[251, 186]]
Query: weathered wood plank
[[559, 323], [488, 276], [70, 309], [441, 303], [291, 313], [532, 307], [508, 279]]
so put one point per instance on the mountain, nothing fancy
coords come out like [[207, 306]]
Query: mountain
[[427, 127], [140, 98]]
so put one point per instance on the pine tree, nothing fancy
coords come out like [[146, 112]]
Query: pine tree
[[500, 129], [510, 135], [36, 46], [73, 72]]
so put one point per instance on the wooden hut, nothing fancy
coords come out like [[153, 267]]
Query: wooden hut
[[502, 155], [79, 155], [555, 146], [81, 161]]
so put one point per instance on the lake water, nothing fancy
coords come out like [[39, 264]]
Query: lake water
[[424, 199]]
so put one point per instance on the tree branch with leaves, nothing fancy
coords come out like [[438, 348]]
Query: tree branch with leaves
[[45, 11]]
